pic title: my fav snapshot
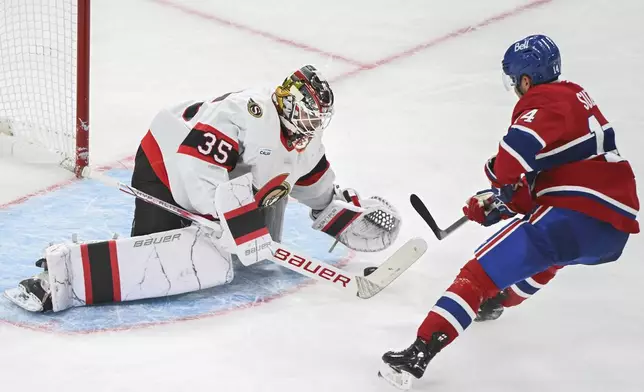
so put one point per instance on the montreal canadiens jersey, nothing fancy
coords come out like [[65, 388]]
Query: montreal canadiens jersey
[[195, 146], [561, 140]]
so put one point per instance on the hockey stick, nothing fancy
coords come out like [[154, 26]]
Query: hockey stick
[[360, 286], [422, 210]]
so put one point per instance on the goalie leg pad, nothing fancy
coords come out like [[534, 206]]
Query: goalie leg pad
[[150, 266]]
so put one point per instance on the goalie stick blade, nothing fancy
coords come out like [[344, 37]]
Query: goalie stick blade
[[391, 269], [422, 210]]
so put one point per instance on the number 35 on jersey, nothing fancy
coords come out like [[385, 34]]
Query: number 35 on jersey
[[207, 143]]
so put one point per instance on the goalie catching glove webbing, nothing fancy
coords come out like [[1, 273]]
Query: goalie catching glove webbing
[[365, 225]]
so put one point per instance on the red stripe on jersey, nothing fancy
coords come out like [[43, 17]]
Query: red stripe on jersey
[[153, 153], [194, 152], [87, 276], [270, 185], [116, 275], [251, 236], [315, 174], [220, 135], [312, 179]]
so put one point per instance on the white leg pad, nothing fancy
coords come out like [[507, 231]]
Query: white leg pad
[[156, 265]]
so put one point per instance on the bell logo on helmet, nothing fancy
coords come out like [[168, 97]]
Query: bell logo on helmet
[[521, 46], [536, 56]]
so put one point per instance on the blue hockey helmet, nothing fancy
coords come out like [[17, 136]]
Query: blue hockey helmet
[[536, 56]]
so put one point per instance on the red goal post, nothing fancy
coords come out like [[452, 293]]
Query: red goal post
[[44, 79]]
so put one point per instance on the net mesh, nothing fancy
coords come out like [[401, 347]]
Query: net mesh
[[38, 41]]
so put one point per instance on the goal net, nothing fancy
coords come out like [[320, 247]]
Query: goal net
[[44, 77]]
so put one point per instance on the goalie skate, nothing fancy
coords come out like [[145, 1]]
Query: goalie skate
[[32, 294]]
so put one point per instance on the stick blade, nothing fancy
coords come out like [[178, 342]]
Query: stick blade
[[422, 210], [392, 268]]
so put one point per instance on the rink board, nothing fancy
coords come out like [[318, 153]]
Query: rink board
[[95, 211]]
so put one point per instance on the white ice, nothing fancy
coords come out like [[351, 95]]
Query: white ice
[[422, 122]]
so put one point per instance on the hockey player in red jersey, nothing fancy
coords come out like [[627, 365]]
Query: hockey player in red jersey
[[558, 166], [233, 159]]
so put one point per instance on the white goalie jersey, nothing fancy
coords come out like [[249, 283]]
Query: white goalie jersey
[[196, 145], [225, 159]]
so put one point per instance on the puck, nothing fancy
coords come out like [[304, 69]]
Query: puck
[[369, 270]]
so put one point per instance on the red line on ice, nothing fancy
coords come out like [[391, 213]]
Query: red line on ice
[[248, 29], [360, 65], [439, 40]]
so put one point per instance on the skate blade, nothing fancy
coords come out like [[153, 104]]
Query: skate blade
[[400, 380], [20, 297]]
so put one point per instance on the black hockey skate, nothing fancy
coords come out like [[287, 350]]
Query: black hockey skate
[[400, 366], [33, 294], [491, 308]]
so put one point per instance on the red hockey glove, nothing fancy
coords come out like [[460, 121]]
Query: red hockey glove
[[487, 208]]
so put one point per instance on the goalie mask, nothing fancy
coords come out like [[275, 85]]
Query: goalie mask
[[304, 102]]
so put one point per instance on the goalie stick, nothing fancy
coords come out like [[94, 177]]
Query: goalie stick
[[360, 286], [422, 210]]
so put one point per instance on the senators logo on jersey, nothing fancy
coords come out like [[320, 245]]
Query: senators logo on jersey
[[254, 109], [273, 191]]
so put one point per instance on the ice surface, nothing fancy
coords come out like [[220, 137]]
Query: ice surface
[[423, 123]]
